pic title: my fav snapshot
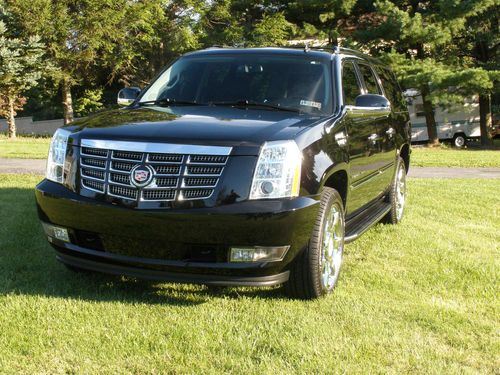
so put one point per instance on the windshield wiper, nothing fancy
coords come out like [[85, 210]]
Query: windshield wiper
[[169, 102], [246, 104]]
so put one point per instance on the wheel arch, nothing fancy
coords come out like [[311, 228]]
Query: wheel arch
[[404, 152], [338, 179]]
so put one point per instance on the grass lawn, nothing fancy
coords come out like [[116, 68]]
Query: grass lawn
[[449, 157], [24, 147], [420, 297]]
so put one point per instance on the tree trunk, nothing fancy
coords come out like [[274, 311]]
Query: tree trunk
[[67, 101], [429, 116], [485, 119], [11, 121]]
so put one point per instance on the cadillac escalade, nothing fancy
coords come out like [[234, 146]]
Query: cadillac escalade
[[246, 167]]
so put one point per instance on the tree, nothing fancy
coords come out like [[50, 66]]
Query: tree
[[417, 33], [475, 54], [84, 37], [20, 69], [244, 23], [325, 17]]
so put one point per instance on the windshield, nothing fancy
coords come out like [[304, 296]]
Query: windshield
[[272, 82]]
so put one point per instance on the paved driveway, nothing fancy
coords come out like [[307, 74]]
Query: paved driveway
[[37, 166]]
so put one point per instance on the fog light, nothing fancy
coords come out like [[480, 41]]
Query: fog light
[[58, 233], [258, 253]]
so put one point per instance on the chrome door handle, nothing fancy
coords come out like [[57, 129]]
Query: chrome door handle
[[390, 131], [373, 137]]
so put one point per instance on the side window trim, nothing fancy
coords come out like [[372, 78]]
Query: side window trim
[[356, 73], [377, 79]]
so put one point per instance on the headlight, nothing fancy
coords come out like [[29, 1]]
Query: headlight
[[57, 154], [277, 174]]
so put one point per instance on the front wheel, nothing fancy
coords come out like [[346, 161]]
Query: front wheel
[[315, 271], [459, 141]]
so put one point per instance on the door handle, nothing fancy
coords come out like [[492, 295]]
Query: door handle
[[373, 137], [390, 131]]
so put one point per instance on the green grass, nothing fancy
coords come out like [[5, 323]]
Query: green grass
[[24, 147], [420, 297], [447, 157]]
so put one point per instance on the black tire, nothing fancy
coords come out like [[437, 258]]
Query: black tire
[[459, 141], [394, 216], [305, 280]]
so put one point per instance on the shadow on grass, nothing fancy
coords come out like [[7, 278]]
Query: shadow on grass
[[28, 266]]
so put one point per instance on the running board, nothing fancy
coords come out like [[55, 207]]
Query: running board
[[363, 221]]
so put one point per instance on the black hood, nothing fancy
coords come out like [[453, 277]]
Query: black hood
[[193, 125]]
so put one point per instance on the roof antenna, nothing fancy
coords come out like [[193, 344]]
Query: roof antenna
[[306, 47]]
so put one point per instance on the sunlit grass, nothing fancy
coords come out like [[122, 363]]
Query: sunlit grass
[[24, 147], [450, 157], [420, 297]]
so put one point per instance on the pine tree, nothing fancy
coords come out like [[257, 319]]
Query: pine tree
[[84, 37], [21, 67], [417, 33], [475, 53]]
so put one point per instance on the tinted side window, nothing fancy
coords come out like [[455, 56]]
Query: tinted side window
[[350, 84], [390, 85], [370, 80]]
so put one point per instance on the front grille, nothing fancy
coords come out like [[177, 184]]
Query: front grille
[[207, 170], [168, 169], [158, 195], [175, 176], [197, 193], [93, 185], [123, 192]]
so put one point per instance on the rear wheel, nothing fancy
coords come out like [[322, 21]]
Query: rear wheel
[[397, 195], [316, 270]]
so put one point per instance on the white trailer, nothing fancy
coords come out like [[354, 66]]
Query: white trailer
[[458, 124]]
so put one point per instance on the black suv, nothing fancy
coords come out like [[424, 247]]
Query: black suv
[[246, 167]]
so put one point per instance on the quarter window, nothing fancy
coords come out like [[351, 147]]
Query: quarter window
[[350, 84]]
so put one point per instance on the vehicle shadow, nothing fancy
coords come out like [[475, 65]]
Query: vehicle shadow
[[28, 266]]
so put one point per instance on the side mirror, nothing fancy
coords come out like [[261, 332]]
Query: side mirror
[[127, 95], [373, 101]]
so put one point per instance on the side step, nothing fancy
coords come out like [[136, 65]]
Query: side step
[[360, 223]]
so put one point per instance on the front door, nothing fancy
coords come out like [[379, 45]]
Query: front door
[[362, 141], [386, 129]]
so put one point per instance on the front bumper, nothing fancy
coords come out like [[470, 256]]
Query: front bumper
[[179, 245]]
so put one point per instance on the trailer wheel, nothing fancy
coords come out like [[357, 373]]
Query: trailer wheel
[[459, 140]]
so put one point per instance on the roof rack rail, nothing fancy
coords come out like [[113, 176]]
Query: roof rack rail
[[335, 49]]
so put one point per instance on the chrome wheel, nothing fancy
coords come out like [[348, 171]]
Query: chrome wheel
[[400, 192], [459, 141], [333, 246]]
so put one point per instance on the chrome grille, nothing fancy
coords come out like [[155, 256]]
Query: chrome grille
[[93, 173], [168, 169], [166, 181], [206, 170], [158, 195], [200, 181], [123, 192], [196, 193], [120, 178], [93, 185], [127, 155], [119, 166], [177, 175]]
